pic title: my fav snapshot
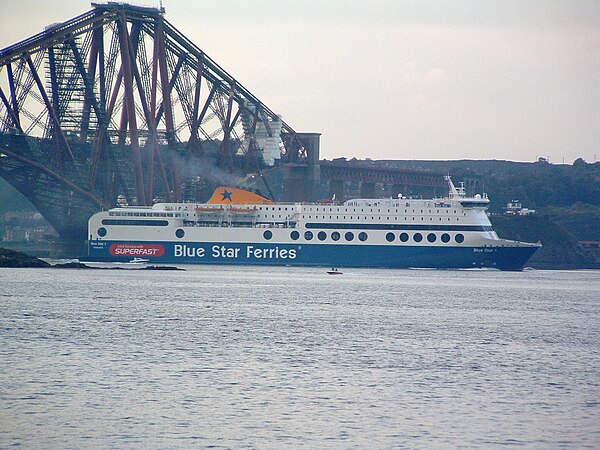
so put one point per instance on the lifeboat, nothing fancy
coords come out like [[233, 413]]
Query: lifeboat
[[209, 209]]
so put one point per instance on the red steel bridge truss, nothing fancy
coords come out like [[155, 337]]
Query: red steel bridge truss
[[117, 105]]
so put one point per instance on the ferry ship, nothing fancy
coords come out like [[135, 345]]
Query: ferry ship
[[236, 226]]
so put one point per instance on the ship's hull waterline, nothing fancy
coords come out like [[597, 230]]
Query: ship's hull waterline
[[324, 255]]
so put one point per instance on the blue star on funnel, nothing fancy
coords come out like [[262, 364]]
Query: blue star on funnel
[[226, 195]]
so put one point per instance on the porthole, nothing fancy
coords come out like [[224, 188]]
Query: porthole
[[101, 231], [179, 233], [431, 237], [322, 235], [459, 238], [294, 235], [308, 235], [349, 236], [362, 236], [390, 237], [335, 236], [417, 237], [268, 234], [445, 238], [404, 237]]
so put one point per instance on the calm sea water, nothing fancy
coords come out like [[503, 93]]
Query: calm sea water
[[233, 357]]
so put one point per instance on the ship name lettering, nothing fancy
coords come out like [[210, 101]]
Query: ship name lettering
[[270, 253], [224, 252], [182, 250]]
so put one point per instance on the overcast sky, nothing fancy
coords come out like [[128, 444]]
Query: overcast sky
[[399, 79]]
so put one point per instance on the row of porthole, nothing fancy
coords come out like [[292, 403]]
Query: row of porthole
[[362, 236], [179, 232], [349, 236], [321, 235], [431, 237]]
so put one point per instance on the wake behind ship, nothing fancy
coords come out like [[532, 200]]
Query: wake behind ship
[[239, 227]]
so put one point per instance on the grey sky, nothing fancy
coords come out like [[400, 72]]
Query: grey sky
[[399, 79]]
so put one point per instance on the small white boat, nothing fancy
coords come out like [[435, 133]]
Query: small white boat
[[334, 271], [139, 261]]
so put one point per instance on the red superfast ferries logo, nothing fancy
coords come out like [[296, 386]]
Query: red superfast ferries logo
[[155, 250]]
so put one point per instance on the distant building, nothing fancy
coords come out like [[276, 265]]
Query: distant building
[[25, 226], [515, 208], [24, 234], [14, 234]]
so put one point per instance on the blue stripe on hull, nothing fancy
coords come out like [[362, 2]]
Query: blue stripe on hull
[[388, 256]]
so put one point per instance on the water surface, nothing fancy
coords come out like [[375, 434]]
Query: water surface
[[250, 357]]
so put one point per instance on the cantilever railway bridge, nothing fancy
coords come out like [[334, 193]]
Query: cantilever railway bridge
[[117, 105]]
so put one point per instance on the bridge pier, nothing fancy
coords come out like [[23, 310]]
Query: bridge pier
[[300, 180], [367, 190]]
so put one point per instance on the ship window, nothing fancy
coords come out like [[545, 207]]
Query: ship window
[[268, 234], [349, 236], [322, 235], [445, 238], [363, 236], [418, 237], [139, 222], [308, 235], [404, 237], [390, 237], [179, 233], [459, 238], [294, 235], [335, 236], [431, 237], [101, 231]]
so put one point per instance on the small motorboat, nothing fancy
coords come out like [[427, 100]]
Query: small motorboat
[[139, 261], [334, 271]]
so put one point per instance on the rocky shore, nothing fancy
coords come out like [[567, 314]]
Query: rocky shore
[[11, 258]]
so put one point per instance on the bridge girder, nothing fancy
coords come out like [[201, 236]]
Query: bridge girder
[[118, 103]]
